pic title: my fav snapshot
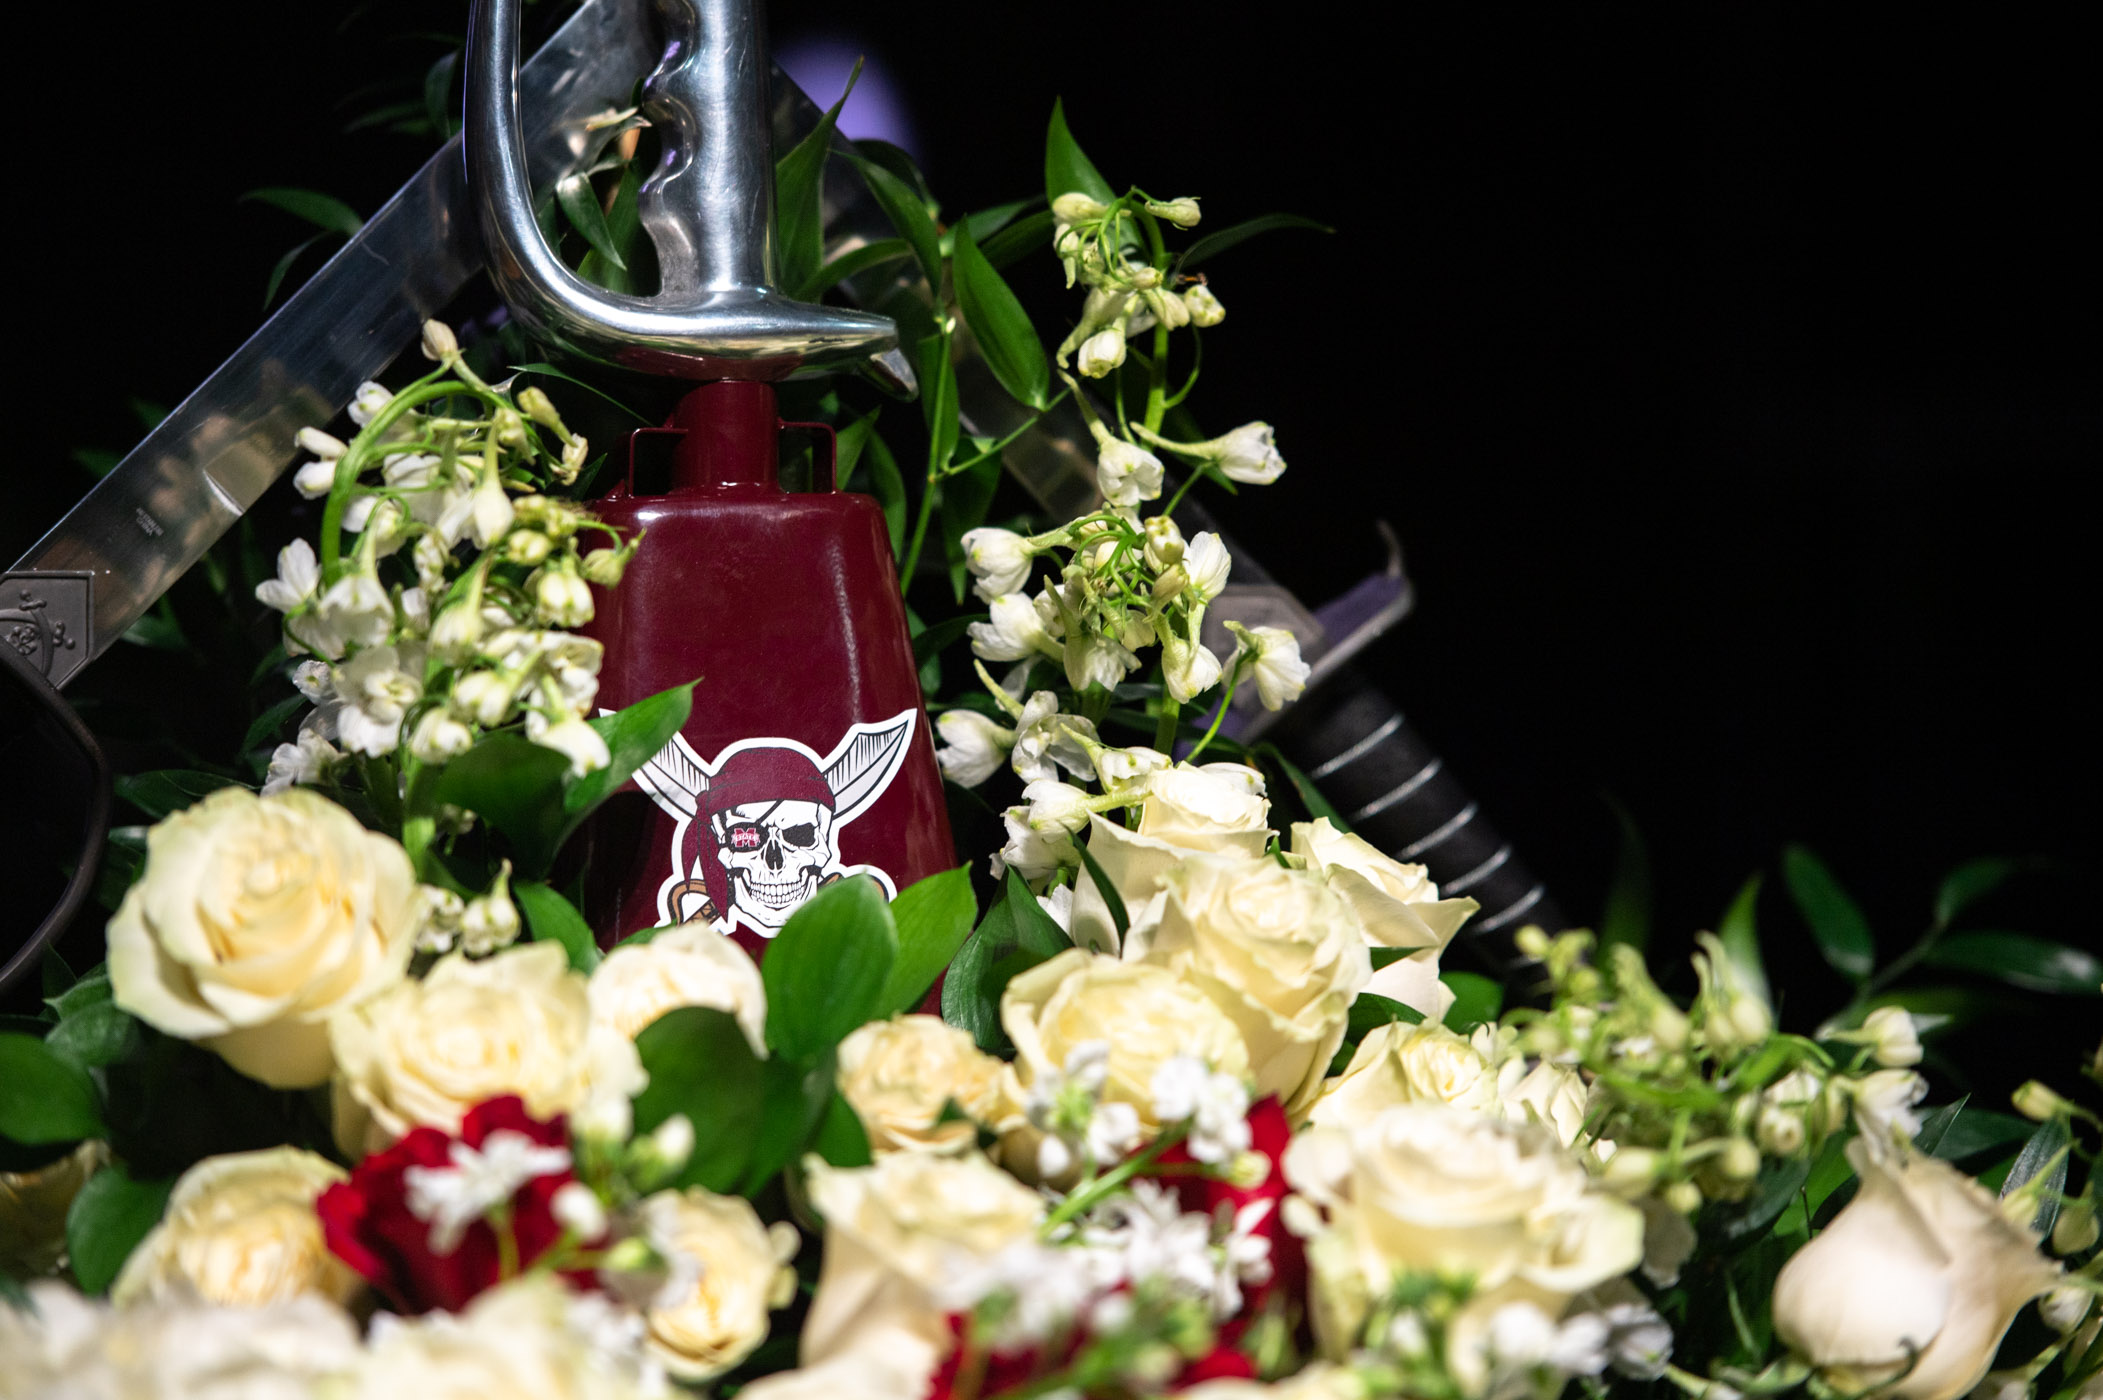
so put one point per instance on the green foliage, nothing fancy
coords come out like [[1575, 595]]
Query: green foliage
[[1213, 244], [167, 790], [1005, 335], [1476, 999], [2042, 1162], [933, 918], [827, 970], [904, 207], [109, 1217], [1741, 940], [750, 1115], [45, 1096], [550, 916], [1106, 888], [1837, 923], [1015, 935], [1626, 918], [1067, 169], [799, 186], [580, 205], [2022, 960]]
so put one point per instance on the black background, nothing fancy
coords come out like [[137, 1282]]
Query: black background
[[1727, 371]]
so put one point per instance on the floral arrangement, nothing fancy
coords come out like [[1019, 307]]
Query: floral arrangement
[[356, 1106]]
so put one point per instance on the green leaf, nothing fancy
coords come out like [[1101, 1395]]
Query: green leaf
[[1626, 917], [701, 1065], [321, 210], [1107, 888], [1213, 244], [1836, 920], [624, 228], [799, 186], [1067, 170], [1019, 238], [841, 1139], [516, 788], [903, 207], [91, 990], [1310, 795], [269, 724], [541, 367], [826, 972], [44, 1097], [888, 485], [1969, 883], [548, 915], [796, 1101], [158, 629], [1016, 935], [634, 735], [1776, 1187], [109, 1217], [580, 205], [284, 265], [1476, 999], [1741, 939], [438, 86], [896, 160], [1372, 1011], [166, 790], [95, 1036], [1979, 1133], [852, 263], [1830, 1172], [1936, 1126], [936, 637], [849, 442], [2044, 1157], [2022, 960], [933, 917], [1005, 336]]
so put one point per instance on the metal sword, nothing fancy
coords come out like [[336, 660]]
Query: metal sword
[[107, 561]]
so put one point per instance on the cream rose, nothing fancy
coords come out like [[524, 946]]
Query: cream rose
[[1217, 809], [241, 1230], [529, 1339], [744, 1277], [1921, 1262], [1320, 1381], [899, 1074], [1399, 907], [1146, 1013], [1275, 949], [1434, 1188], [33, 1208], [256, 919], [1404, 1064], [692, 965], [423, 1053], [894, 1232]]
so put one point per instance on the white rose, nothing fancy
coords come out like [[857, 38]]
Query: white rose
[[1275, 949], [66, 1347], [1320, 1381], [1404, 1064], [744, 1277], [1399, 906], [255, 920], [691, 965], [523, 1340], [898, 1075], [1217, 808], [1433, 1188], [1555, 1096], [241, 1230], [423, 1053], [1145, 1013], [1921, 1261], [893, 1233]]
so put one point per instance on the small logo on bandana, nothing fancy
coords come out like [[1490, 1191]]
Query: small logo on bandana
[[757, 831]]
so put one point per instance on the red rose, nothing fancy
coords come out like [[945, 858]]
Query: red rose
[[368, 1224], [1268, 1134]]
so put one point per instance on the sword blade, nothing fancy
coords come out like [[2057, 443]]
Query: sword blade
[[158, 511]]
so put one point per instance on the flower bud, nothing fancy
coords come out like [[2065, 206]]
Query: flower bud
[[2065, 1307], [2076, 1229], [510, 428], [321, 444], [577, 1209], [1682, 1196], [1164, 542], [314, 479], [1780, 1132], [1075, 208], [439, 737], [2037, 1102], [1183, 212], [439, 343], [1204, 308], [1102, 352], [1630, 1171], [527, 547], [1739, 1160], [561, 598], [605, 566], [1171, 582], [1891, 1035], [458, 628], [536, 405], [483, 696], [490, 920], [366, 404]]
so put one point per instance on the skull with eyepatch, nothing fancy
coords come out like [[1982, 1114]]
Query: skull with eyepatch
[[771, 814]]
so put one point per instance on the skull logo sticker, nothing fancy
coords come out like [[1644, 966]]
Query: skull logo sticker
[[757, 831]]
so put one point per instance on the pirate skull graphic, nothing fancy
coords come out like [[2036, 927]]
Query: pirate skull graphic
[[757, 831]]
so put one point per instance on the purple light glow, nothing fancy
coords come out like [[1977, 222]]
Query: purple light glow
[[820, 65]]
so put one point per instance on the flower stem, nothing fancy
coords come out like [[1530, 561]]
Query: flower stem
[[1087, 1196]]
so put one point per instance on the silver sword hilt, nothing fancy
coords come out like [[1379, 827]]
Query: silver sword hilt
[[708, 208]]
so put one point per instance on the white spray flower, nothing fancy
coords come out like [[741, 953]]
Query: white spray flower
[[1099, 661], [298, 575], [972, 746], [438, 738], [455, 1196], [365, 405], [300, 763], [1274, 658], [314, 479], [1204, 308], [1206, 563], [1188, 667], [571, 737], [1216, 1105], [1046, 741], [1015, 631], [1125, 472], [377, 687], [999, 561], [1102, 352]]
